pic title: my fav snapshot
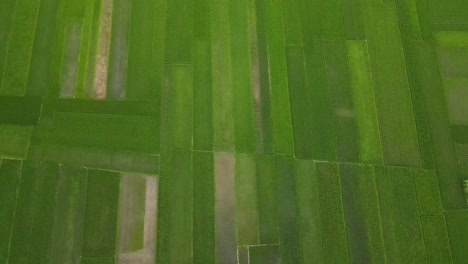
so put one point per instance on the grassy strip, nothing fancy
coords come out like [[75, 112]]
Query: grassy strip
[[15, 75], [289, 237], [309, 217], [405, 213], [460, 134], [16, 110], [7, 12], [362, 217], [301, 99], [241, 82], [140, 46], [424, 19], [53, 83], [262, 105], [445, 157], [386, 214], [369, 203], [353, 21], [436, 239], [339, 85], [15, 141], [182, 106], [26, 201], [43, 219], [410, 31], [279, 95], [85, 60], [311, 14], [409, 19], [157, 73], [180, 19], [10, 175], [458, 232], [247, 219], [164, 221], [41, 57], [357, 236], [203, 208], [448, 8], [181, 207], [202, 96], [104, 131], [118, 50], [364, 102], [264, 254], [314, 135], [69, 215], [202, 78], [397, 124], [101, 214], [127, 107], [292, 22], [332, 20], [97, 159], [427, 190], [451, 38], [132, 213], [223, 137], [333, 233], [267, 199]]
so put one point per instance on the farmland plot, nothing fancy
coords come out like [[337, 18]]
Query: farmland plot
[[251, 131]]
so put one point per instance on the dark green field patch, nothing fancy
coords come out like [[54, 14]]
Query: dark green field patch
[[101, 214], [19, 245], [69, 215], [41, 57], [43, 219], [427, 190], [104, 131], [309, 212], [15, 75], [264, 254], [15, 110], [289, 237], [267, 199], [203, 208], [458, 232], [10, 175], [436, 239]]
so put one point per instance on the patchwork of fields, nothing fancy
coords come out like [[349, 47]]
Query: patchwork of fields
[[233, 131]]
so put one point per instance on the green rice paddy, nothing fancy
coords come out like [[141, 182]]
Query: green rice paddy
[[233, 132]]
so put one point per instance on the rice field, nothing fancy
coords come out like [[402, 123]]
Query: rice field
[[233, 132]]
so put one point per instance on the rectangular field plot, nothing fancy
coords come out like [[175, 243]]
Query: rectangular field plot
[[137, 219], [15, 141], [102, 202], [104, 131]]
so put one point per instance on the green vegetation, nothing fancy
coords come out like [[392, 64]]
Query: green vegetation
[[10, 174], [102, 202], [43, 219], [26, 201], [271, 131]]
